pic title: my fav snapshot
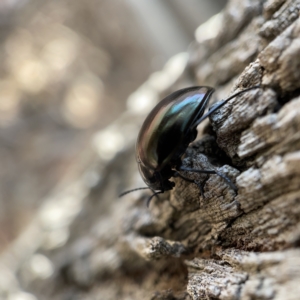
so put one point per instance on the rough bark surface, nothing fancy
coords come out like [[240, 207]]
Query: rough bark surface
[[92, 245]]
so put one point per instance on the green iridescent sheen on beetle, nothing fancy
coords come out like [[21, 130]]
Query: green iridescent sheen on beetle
[[167, 131]]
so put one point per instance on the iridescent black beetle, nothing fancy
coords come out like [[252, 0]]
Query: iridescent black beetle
[[166, 133]]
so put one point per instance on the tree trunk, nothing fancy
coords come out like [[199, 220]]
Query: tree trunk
[[186, 246]]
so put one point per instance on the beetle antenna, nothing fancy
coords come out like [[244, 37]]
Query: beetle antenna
[[153, 195], [225, 101], [127, 192]]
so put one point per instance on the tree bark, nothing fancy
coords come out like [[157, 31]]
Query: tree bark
[[186, 246]]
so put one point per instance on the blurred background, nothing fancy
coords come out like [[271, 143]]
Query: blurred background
[[67, 68]]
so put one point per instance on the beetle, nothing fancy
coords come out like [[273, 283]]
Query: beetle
[[166, 133]]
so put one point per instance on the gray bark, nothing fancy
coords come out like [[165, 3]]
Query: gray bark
[[185, 246]]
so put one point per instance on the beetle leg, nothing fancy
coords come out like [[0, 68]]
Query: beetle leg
[[227, 180], [200, 186], [222, 103]]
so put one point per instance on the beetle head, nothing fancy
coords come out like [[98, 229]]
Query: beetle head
[[156, 180]]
